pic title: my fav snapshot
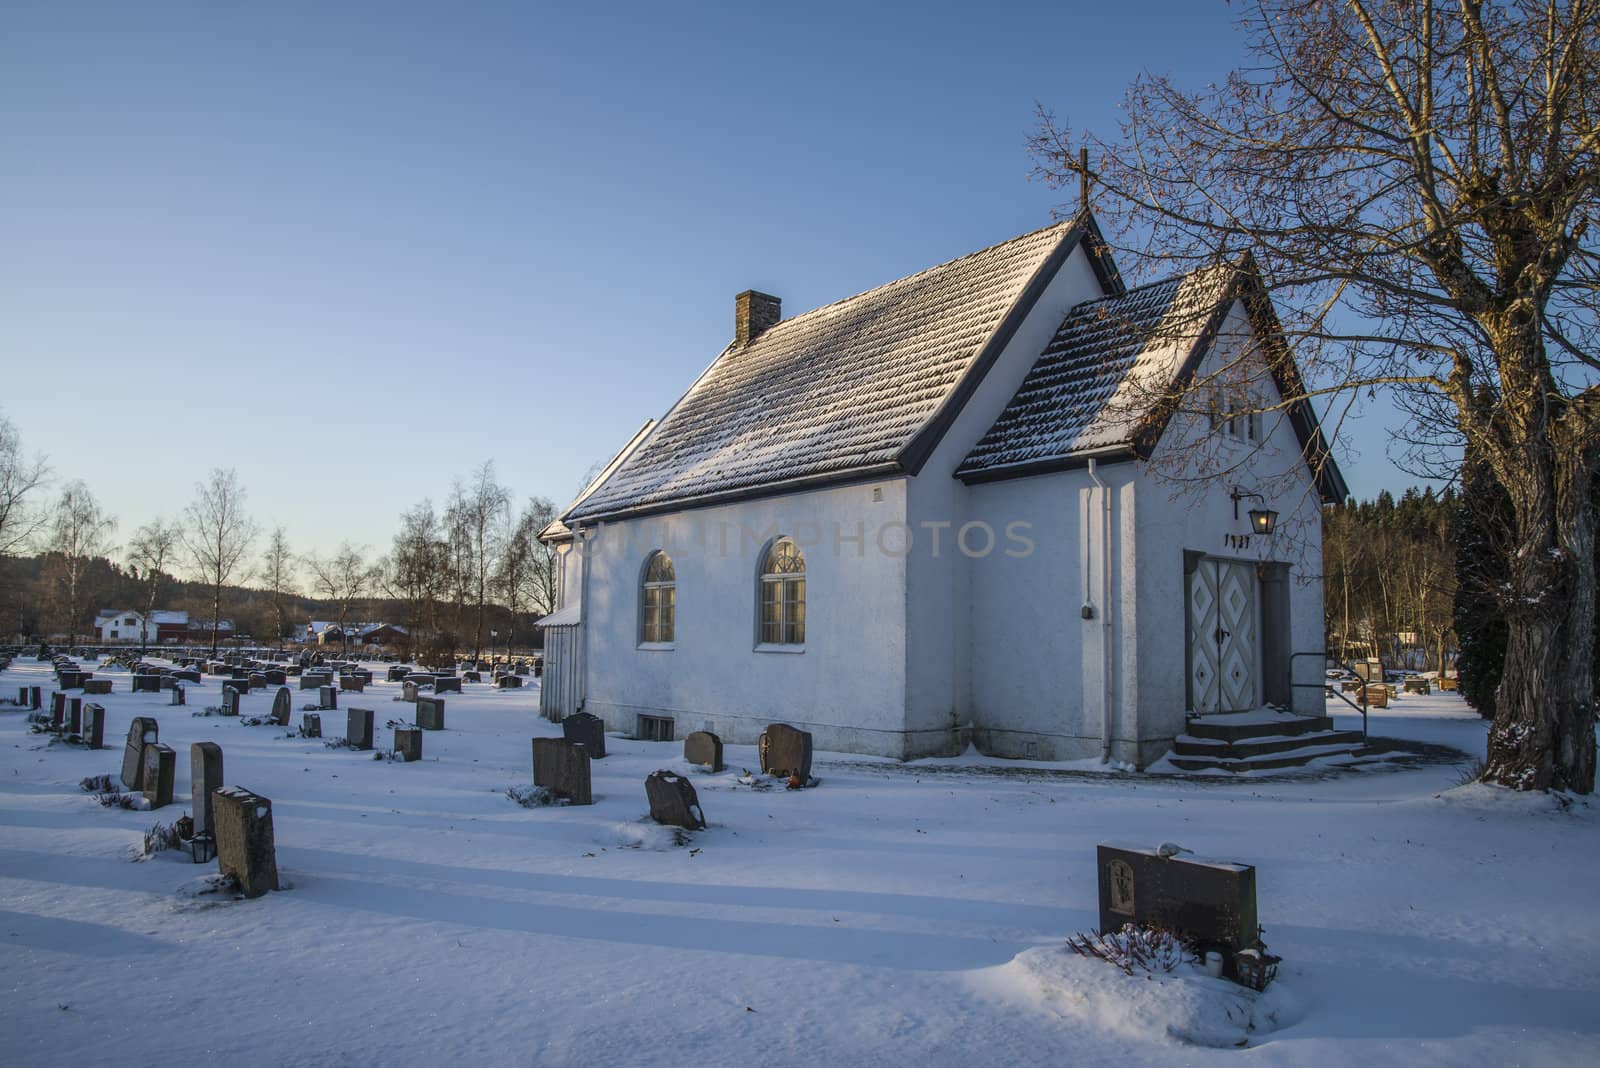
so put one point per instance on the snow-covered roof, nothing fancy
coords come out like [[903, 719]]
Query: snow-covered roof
[[177, 619], [857, 388], [1108, 381], [1110, 362], [561, 617]]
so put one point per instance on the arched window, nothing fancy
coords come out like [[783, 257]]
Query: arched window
[[783, 595], [658, 600]]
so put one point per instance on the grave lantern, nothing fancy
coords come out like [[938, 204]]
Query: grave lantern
[[203, 847]]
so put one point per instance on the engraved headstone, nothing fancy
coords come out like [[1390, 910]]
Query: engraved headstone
[[398, 672], [507, 682], [180, 695], [1211, 902], [785, 751], [328, 698], [74, 715], [245, 847], [94, 726], [230, 701], [562, 767], [673, 800], [275, 677], [58, 714], [312, 680], [280, 706], [147, 684], [408, 691], [587, 730], [98, 687], [359, 730], [142, 731], [350, 684], [430, 713], [34, 698], [205, 775], [446, 684], [408, 743], [310, 725], [160, 764], [703, 747]]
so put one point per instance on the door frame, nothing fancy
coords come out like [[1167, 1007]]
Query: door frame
[[1262, 572]]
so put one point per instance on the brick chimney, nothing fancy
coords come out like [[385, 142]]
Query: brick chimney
[[753, 313]]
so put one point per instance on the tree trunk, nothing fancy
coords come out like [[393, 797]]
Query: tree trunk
[[1543, 733]]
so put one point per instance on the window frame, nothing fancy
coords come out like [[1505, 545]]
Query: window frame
[[783, 590], [654, 632]]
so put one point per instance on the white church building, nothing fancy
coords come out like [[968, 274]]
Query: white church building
[[1003, 501]]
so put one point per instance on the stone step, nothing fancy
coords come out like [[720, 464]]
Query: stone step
[[1221, 728], [1208, 748], [1291, 759]]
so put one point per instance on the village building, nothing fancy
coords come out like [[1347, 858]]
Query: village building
[[1005, 501]]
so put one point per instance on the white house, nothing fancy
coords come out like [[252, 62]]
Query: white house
[[117, 625], [1003, 500]]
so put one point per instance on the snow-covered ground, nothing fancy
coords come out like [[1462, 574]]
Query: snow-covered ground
[[897, 914]]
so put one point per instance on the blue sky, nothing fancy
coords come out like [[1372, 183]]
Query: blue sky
[[355, 250]]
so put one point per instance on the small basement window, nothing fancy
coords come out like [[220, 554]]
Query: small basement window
[[654, 729]]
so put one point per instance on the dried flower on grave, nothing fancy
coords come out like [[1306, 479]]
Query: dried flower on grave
[[336, 743], [1148, 950], [99, 784], [160, 837], [531, 796]]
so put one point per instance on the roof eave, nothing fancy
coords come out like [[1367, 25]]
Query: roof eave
[[825, 480], [1111, 454]]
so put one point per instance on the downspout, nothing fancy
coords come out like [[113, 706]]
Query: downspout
[[1105, 611]]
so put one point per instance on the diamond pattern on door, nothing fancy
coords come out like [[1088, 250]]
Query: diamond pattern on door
[[1204, 671], [1222, 636]]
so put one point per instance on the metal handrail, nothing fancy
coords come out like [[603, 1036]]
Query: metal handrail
[[1325, 688]]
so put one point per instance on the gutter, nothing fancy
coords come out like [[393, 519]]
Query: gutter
[[1107, 690]]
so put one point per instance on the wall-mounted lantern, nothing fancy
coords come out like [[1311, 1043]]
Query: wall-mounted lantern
[[1263, 520]]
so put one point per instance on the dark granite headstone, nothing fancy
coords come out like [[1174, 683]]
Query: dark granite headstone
[[430, 713], [245, 848], [75, 715], [359, 730], [180, 696], [703, 747], [94, 726], [351, 684], [230, 701], [398, 672], [280, 706], [142, 731], [562, 767], [311, 680], [328, 698], [58, 714], [785, 751], [35, 700], [408, 743], [1211, 902], [310, 725], [275, 677], [446, 684], [507, 682], [587, 730], [97, 687], [673, 800], [471, 676], [188, 676], [160, 764], [408, 690], [205, 775], [147, 684]]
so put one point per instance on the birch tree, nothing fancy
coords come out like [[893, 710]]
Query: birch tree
[[277, 573], [1417, 182], [344, 578], [150, 553], [80, 530], [217, 534]]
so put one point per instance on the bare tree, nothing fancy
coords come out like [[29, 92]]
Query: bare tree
[[217, 534], [474, 515], [80, 531], [277, 572], [343, 579], [21, 476], [1417, 183], [416, 570], [151, 552]]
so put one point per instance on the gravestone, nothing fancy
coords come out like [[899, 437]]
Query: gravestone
[[587, 729], [276, 677], [408, 691], [359, 730], [1447, 684], [192, 675], [507, 682], [180, 696], [147, 684], [785, 751], [167, 680], [1211, 902], [703, 747], [1377, 695], [446, 684], [160, 764], [240, 684], [520, 668], [205, 776], [75, 716], [94, 726], [408, 743], [98, 687], [258, 680], [142, 731], [230, 701], [245, 849], [1417, 686], [58, 713], [562, 767], [328, 698], [34, 698], [350, 684], [471, 676], [310, 725], [310, 681], [280, 706], [430, 713], [673, 800], [398, 672]]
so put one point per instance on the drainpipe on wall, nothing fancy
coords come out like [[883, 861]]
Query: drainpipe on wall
[[1105, 613], [583, 618]]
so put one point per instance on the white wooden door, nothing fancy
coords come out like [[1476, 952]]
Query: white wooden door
[[1222, 636]]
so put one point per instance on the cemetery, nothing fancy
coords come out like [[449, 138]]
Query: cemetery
[[977, 902]]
